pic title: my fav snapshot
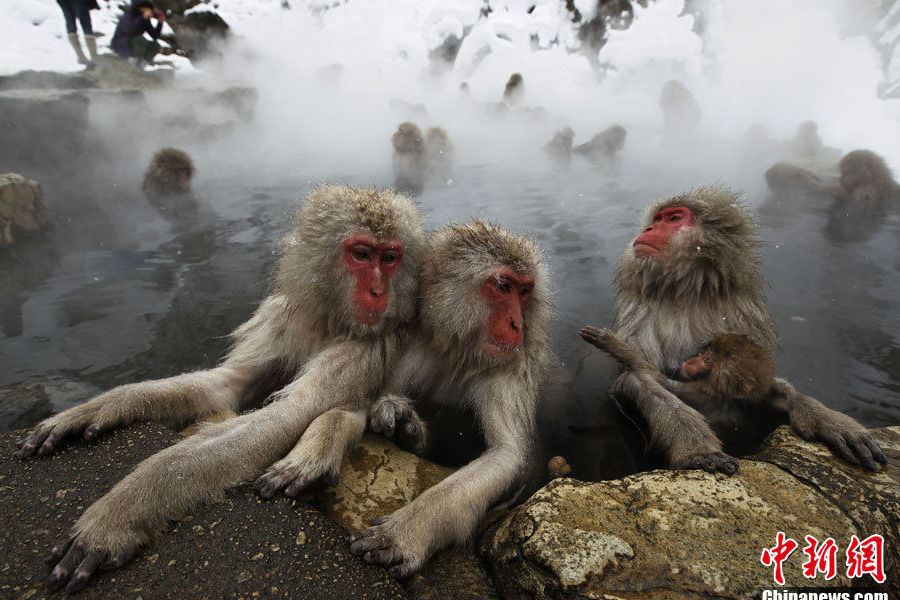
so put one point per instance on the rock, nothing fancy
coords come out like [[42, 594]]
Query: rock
[[690, 534], [23, 406], [199, 34], [213, 553], [41, 127], [376, 479], [22, 208]]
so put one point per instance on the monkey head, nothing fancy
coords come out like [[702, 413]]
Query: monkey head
[[613, 139], [734, 365], [408, 139], [353, 259], [485, 295], [170, 172], [699, 243], [865, 173]]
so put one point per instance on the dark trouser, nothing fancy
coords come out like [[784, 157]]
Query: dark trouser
[[141, 47], [80, 9]]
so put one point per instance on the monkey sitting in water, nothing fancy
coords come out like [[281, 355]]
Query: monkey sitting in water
[[729, 368], [167, 181]]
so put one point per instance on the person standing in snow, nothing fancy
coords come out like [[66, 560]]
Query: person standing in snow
[[80, 10], [129, 42]]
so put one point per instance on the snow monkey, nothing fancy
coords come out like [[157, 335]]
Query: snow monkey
[[482, 341], [690, 275], [329, 333], [409, 158], [729, 368], [167, 181]]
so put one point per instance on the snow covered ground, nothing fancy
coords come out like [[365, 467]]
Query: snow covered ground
[[768, 61]]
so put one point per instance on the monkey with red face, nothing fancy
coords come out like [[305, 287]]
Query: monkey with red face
[[326, 337], [482, 342], [691, 275]]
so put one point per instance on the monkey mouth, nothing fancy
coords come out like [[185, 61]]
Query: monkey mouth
[[644, 249], [501, 350], [367, 317]]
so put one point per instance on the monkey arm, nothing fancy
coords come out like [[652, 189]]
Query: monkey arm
[[626, 354], [451, 510], [814, 421], [316, 459], [675, 428], [260, 343], [197, 469]]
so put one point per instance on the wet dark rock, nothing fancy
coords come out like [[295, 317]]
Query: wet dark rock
[[35, 80], [23, 406], [690, 534], [242, 547], [22, 209], [199, 34]]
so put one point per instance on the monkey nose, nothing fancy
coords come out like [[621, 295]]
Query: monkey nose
[[514, 325]]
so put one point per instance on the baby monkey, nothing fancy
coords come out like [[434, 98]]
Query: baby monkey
[[730, 367]]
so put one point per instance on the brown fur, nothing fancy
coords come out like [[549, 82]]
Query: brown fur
[[300, 335], [161, 178], [409, 158], [448, 363], [707, 283], [867, 179], [560, 147]]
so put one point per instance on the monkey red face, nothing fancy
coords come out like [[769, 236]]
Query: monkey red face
[[506, 294], [372, 266], [697, 367], [666, 223]]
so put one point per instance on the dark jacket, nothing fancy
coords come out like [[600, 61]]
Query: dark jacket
[[132, 23]]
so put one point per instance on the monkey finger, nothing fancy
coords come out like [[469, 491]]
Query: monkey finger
[[863, 454], [30, 444], [877, 452], [83, 573], [384, 557], [266, 485], [58, 551], [726, 464], [300, 484], [50, 443], [370, 539], [92, 432], [838, 446], [118, 559], [402, 571], [60, 573], [380, 520]]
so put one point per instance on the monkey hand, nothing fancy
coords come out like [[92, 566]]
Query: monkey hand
[[596, 336], [396, 542], [395, 418], [295, 476], [95, 542], [88, 419], [842, 434]]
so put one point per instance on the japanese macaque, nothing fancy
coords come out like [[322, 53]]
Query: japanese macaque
[[786, 179], [483, 343], [729, 368], [603, 147], [514, 90], [868, 193], [808, 150], [409, 158], [690, 275], [325, 338], [167, 181], [558, 467], [560, 147], [439, 154], [681, 112]]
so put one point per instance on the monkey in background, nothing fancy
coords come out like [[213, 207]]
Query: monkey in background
[[603, 148], [167, 181], [729, 368], [482, 342], [408, 159], [514, 90], [681, 112], [439, 154], [690, 275], [327, 337], [867, 194], [559, 148]]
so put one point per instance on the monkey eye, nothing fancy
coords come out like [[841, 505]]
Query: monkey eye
[[361, 254], [525, 291], [708, 361], [389, 258], [675, 218], [504, 286]]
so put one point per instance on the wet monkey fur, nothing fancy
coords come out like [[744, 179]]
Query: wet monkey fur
[[327, 336], [483, 342], [730, 368], [690, 275]]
